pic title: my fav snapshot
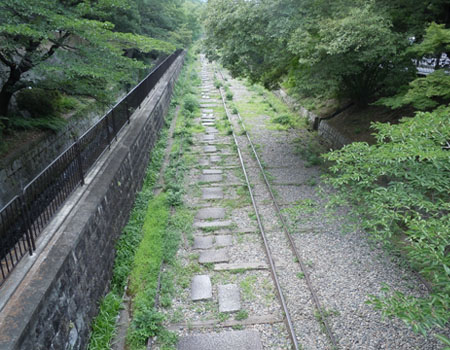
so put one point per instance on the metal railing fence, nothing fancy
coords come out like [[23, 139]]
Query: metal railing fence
[[26, 215]]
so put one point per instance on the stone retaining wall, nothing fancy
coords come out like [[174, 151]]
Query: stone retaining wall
[[54, 305], [19, 169], [324, 129]]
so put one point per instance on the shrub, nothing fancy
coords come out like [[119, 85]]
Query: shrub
[[190, 103], [400, 189], [45, 123], [39, 102], [283, 119]]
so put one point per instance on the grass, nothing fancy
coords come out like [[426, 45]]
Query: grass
[[147, 322], [103, 326], [241, 315], [310, 150], [247, 287]]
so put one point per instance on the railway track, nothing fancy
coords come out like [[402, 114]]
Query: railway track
[[298, 258]]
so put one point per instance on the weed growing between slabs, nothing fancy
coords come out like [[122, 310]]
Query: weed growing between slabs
[[147, 241]]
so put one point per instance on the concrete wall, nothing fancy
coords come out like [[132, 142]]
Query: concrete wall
[[54, 304]]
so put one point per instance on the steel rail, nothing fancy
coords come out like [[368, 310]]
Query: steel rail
[[288, 319], [307, 278]]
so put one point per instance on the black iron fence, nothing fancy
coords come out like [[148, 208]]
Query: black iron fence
[[26, 215]]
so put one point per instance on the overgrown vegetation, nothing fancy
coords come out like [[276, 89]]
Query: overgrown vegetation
[[363, 51], [147, 322], [400, 188], [150, 239], [103, 327], [359, 50]]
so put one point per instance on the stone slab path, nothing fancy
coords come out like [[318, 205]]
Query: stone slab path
[[232, 340], [201, 288], [229, 298], [224, 267]]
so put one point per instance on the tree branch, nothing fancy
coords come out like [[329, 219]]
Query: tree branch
[[56, 44], [6, 61]]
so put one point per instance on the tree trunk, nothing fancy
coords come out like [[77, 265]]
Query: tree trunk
[[8, 90]]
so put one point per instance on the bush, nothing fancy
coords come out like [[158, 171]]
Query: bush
[[39, 102], [400, 189], [45, 123], [190, 103], [283, 119], [229, 95]]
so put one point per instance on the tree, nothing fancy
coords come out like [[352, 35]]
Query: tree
[[60, 45], [348, 48], [250, 37], [356, 48]]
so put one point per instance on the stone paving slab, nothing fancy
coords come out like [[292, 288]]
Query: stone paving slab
[[212, 193], [210, 213], [215, 223], [213, 256], [201, 288], [211, 178], [209, 137], [203, 242], [208, 123], [229, 340], [208, 105], [212, 171], [203, 161], [207, 110], [209, 149], [251, 320], [211, 130], [241, 266], [224, 240], [229, 298], [215, 159]]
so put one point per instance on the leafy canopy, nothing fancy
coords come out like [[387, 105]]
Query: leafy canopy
[[85, 47]]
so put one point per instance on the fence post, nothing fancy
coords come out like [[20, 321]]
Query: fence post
[[79, 160], [27, 220]]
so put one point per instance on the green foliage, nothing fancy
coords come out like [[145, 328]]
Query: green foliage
[[283, 119], [147, 322], [229, 95], [190, 103], [45, 123], [344, 49], [144, 274], [241, 315], [39, 102], [87, 48], [400, 188], [103, 326], [432, 90], [62, 43]]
